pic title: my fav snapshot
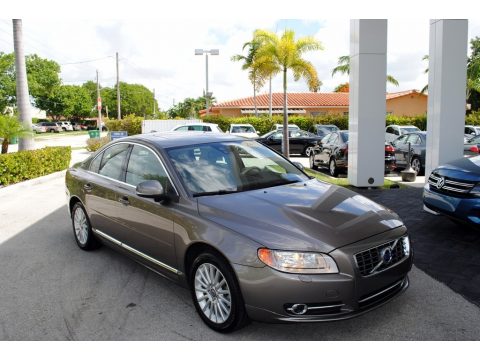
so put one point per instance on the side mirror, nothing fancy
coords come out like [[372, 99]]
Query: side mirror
[[298, 165], [151, 189]]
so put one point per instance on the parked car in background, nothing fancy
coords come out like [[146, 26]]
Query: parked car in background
[[91, 124], [205, 127], [332, 153], [472, 130], [65, 125], [300, 141], [242, 227], [472, 146], [244, 130], [392, 132], [39, 128], [291, 127], [418, 146], [322, 130], [77, 126], [453, 189], [50, 126]]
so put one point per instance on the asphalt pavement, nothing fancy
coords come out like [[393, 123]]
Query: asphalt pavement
[[51, 290]]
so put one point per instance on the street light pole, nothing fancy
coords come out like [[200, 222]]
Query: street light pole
[[206, 52]]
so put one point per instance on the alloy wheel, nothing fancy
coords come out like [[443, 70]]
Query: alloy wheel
[[212, 293], [416, 166], [80, 225]]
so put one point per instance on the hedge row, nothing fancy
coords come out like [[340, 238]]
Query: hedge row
[[25, 165], [130, 123]]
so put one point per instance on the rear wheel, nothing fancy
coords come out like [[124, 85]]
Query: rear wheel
[[308, 151], [416, 165], [216, 294], [332, 168], [312, 162], [82, 229]]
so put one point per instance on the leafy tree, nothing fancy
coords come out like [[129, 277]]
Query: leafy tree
[[10, 128], [280, 54], [42, 74], [189, 108], [70, 101], [343, 67], [134, 99], [425, 88]]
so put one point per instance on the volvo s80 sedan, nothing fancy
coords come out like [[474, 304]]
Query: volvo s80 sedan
[[250, 234]]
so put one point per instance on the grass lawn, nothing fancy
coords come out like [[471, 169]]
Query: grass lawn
[[344, 181]]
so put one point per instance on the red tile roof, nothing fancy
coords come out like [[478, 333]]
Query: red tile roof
[[301, 100]]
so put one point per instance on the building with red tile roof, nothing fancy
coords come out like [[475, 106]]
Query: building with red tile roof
[[403, 103]]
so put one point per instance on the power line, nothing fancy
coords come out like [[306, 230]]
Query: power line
[[87, 61]]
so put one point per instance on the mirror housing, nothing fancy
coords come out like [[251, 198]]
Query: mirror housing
[[298, 165], [151, 189]]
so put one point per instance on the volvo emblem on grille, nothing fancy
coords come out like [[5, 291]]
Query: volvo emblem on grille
[[440, 182], [386, 255]]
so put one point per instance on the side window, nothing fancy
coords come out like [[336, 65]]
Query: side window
[[277, 136], [206, 128], [333, 139], [414, 139], [396, 131], [144, 165], [182, 128], [400, 140], [326, 138], [95, 164], [113, 160], [390, 130]]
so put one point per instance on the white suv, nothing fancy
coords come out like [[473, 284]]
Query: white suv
[[65, 125], [205, 127]]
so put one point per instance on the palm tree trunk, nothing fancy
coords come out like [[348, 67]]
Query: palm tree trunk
[[285, 143], [255, 98], [5, 146]]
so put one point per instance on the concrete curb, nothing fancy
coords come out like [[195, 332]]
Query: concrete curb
[[27, 183]]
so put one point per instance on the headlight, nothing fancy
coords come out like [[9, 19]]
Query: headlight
[[298, 262]]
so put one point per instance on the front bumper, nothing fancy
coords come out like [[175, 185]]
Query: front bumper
[[270, 294], [462, 208]]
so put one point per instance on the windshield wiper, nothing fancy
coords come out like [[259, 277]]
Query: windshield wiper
[[218, 192]]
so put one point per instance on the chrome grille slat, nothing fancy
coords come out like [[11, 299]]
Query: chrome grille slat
[[450, 186]]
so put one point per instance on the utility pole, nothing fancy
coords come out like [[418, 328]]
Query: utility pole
[[99, 106], [119, 114], [106, 110], [270, 100], [23, 98], [154, 103]]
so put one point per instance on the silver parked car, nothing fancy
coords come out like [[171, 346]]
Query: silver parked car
[[248, 232]]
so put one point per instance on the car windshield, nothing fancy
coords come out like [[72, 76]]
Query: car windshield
[[407, 130], [226, 167], [243, 129]]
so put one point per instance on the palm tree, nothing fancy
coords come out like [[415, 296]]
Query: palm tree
[[279, 54], [10, 128], [254, 70], [343, 67]]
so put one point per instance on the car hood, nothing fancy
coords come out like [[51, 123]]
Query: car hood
[[309, 216], [467, 168]]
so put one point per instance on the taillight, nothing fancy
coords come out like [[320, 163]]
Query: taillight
[[389, 148], [474, 149]]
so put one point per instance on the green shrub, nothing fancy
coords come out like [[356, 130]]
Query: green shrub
[[96, 143], [24, 165], [473, 118], [130, 123]]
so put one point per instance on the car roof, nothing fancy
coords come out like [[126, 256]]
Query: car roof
[[172, 139], [241, 125]]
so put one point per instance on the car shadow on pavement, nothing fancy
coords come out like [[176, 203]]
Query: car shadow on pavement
[[52, 290]]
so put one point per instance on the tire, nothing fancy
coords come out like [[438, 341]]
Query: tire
[[82, 230], [416, 165], [308, 151], [222, 311], [332, 168], [312, 162]]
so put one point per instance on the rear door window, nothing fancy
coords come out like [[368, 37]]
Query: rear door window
[[113, 161]]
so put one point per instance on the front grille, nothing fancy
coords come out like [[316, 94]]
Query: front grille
[[370, 261], [449, 186]]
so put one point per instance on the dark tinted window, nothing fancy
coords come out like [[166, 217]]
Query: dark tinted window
[[344, 136], [144, 165], [113, 160], [95, 164], [390, 130]]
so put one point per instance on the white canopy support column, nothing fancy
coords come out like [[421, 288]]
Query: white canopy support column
[[368, 69], [446, 92]]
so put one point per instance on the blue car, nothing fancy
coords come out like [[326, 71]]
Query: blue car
[[453, 189]]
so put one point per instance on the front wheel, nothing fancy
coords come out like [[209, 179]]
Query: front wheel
[[82, 229], [216, 294], [312, 162], [308, 151], [416, 165]]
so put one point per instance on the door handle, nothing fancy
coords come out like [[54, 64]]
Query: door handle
[[88, 187], [124, 200]]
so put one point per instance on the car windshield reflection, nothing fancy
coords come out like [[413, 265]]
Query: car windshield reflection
[[229, 167]]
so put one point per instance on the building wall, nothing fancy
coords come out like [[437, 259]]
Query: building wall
[[409, 105]]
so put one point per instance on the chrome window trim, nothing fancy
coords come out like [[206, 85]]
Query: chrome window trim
[[136, 252], [125, 183]]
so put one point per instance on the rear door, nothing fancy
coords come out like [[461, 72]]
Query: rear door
[[400, 148]]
